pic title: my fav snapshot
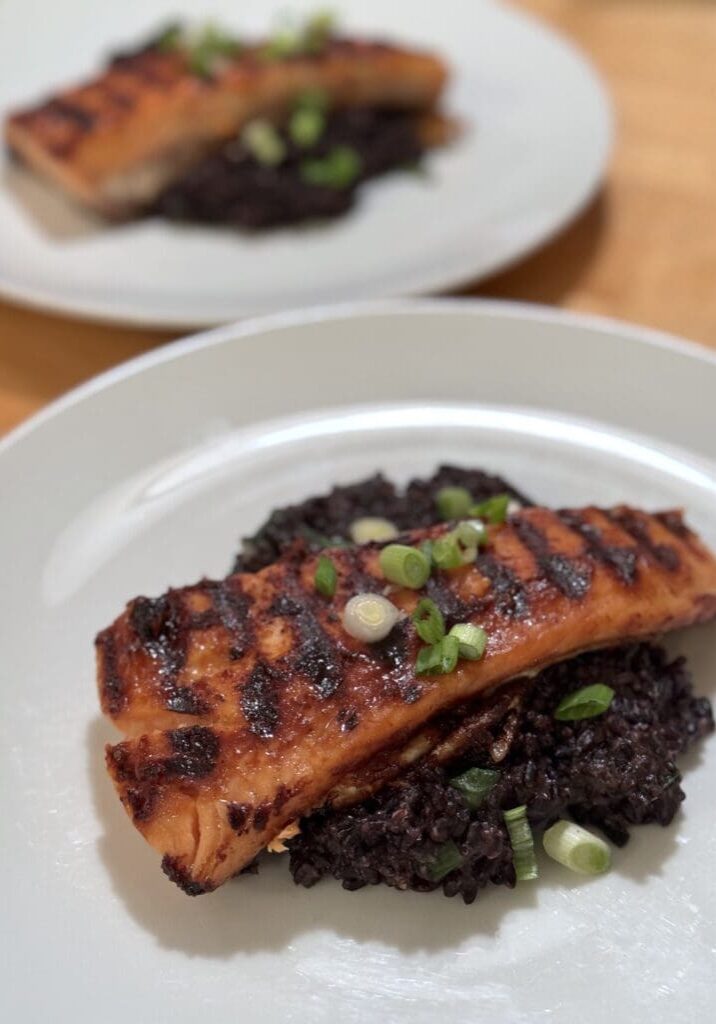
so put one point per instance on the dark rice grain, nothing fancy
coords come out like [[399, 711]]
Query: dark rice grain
[[329, 516], [612, 772]]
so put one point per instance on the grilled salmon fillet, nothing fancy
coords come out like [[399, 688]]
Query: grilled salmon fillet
[[116, 142], [248, 705]]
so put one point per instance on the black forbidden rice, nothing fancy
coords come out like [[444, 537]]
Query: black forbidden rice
[[612, 772], [330, 516], [231, 187], [609, 772]]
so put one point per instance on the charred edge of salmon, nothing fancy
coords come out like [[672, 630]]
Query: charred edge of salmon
[[109, 678], [161, 627], [192, 754], [180, 875]]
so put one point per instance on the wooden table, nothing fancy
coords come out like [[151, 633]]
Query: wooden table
[[645, 250]]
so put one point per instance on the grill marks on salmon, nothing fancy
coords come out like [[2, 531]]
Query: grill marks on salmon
[[247, 706], [114, 143]]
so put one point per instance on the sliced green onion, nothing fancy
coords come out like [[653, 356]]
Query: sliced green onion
[[446, 553], [523, 847], [426, 546], [372, 528], [475, 785], [494, 510], [207, 47], [472, 640], [585, 703], [447, 858], [470, 535], [438, 660], [339, 169], [320, 540], [453, 502], [293, 41], [285, 42], [577, 849], [457, 548], [369, 617], [429, 621], [325, 577], [404, 565], [264, 142], [306, 126], [313, 99], [170, 39], [317, 31]]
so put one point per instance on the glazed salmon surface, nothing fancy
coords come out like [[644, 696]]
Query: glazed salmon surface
[[247, 705], [115, 142]]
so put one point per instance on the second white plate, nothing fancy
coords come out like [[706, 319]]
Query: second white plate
[[538, 131]]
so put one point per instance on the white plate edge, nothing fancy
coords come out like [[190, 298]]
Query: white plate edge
[[505, 309]]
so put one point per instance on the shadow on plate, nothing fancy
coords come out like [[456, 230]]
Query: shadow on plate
[[255, 914], [552, 272]]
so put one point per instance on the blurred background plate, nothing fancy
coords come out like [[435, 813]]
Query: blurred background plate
[[147, 477], [537, 139]]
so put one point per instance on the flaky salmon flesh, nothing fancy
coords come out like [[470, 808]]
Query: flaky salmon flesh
[[247, 705], [114, 143]]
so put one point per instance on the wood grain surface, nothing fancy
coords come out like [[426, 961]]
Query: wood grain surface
[[645, 250]]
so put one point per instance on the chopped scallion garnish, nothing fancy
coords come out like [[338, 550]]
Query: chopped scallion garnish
[[170, 39], [440, 659], [206, 48], [369, 617], [264, 142], [585, 703], [453, 502], [404, 565], [202, 47], [470, 535], [313, 99], [493, 510], [426, 546], [317, 31], [472, 640], [457, 548], [306, 126], [326, 577], [285, 42], [446, 553], [447, 858], [429, 621], [292, 40], [475, 785], [372, 528], [319, 540], [338, 169], [523, 847], [577, 849]]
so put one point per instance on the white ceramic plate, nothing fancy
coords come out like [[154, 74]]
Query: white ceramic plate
[[538, 134], [147, 477]]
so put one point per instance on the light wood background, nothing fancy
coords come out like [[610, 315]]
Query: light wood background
[[645, 250]]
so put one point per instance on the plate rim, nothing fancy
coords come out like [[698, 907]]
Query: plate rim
[[433, 282], [236, 331]]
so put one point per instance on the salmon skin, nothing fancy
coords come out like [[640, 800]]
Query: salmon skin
[[248, 705], [115, 143]]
